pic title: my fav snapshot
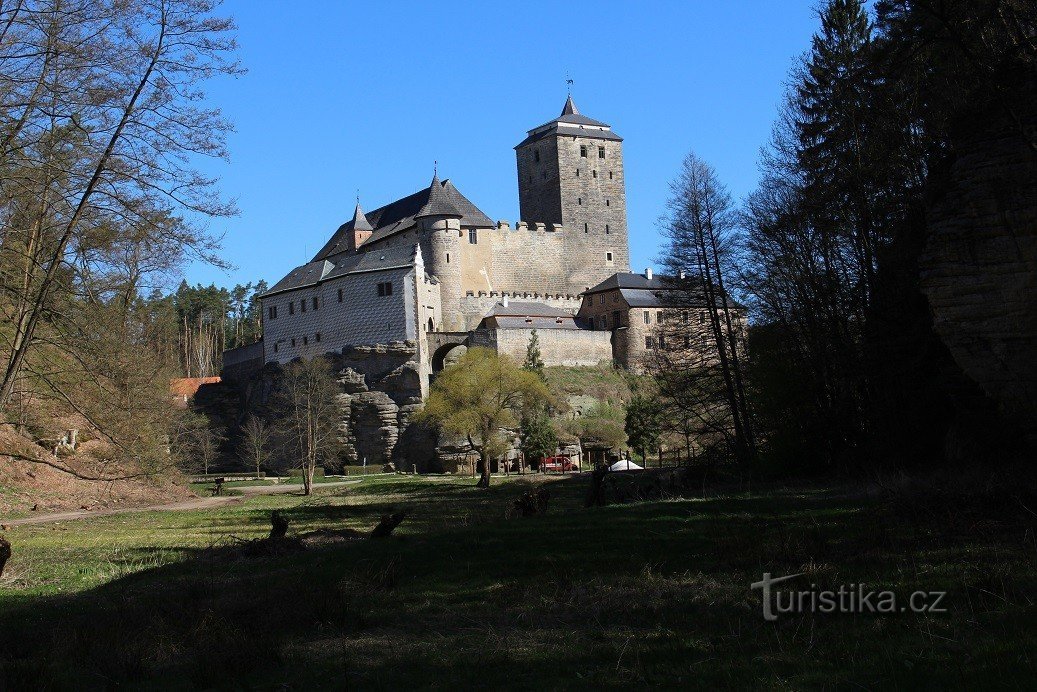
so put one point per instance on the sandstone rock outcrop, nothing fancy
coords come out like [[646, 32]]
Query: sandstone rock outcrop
[[979, 268]]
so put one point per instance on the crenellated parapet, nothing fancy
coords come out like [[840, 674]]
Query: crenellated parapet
[[527, 226]]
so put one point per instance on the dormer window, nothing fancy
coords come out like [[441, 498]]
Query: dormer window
[[291, 307], [302, 305], [384, 289]]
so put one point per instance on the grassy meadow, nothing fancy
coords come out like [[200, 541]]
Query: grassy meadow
[[466, 595]]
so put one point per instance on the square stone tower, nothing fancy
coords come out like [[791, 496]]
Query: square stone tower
[[570, 172]]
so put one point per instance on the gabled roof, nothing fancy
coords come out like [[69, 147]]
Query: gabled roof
[[399, 216], [572, 123], [638, 291], [314, 273], [631, 280], [525, 309]]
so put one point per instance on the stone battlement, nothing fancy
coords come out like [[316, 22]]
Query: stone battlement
[[534, 227]]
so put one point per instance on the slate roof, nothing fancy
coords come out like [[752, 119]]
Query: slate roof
[[525, 309], [399, 216], [631, 280], [314, 273], [439, 203], [573, 123], [657, 292], [360, 222]]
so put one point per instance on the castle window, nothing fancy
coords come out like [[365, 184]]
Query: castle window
[[431, 325], [607, 203], [601, 299], [610, 175], [604, 321], [648, 317], [536, 155], [615, 318], [579, 200], [473, 235], [606, 229], [649, 342], [306, 341], [316, 337], [684, 317], [384, 289], [448, 258], [608, 260], [291, 307], [702, 316], [594, 173], [585, 228], [315, 303], [273, 312], [583, 151], [577, 172], [302, 305], [601, 152], [340, 295], [662, 342]]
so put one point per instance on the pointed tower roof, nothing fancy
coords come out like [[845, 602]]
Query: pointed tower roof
[[438, 203], [572, 122], [360, 222]]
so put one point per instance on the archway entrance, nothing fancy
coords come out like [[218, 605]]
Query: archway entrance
[[447, 354]]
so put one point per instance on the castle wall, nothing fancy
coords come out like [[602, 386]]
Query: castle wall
[[362, 318], [474, 307], [570, 347]]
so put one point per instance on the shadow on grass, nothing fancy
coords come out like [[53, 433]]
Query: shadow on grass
[[642, 594]]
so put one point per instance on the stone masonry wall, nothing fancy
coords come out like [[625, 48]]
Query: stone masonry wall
[[570, 347]]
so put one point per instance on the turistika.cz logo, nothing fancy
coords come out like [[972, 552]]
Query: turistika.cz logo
[[848, 598]]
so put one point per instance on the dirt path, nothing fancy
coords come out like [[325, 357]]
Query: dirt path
[[196, 503]]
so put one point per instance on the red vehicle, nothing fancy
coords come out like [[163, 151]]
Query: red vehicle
[[558, 463]]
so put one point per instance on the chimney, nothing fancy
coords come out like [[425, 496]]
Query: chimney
[[648, 273], [504, 302]]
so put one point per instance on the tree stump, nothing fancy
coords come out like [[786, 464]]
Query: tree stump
[[278, 525], [5, 553], [388, 523]]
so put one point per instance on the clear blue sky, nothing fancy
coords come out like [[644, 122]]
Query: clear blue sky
[[341, 96]]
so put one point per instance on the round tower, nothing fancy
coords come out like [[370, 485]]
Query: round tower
[[440, 221]]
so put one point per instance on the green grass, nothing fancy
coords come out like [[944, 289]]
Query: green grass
[[462, 596]]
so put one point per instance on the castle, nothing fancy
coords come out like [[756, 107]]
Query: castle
[[398, 291], [431, 272]]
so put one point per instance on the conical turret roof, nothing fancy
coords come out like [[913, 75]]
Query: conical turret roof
[[570, 107], [360, 222], [438, 203]]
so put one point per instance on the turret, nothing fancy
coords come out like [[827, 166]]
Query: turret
[[361, 227], [440, 221]]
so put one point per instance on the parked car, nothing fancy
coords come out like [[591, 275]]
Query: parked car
[[559, 463]]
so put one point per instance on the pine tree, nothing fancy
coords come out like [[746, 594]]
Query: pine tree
[[534, 363]]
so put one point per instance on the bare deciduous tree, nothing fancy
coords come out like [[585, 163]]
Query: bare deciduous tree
[[309, 412], [101, 116], [255, 442]]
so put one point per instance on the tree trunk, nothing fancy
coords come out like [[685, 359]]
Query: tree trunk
[[484, 478], [5, 553]]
